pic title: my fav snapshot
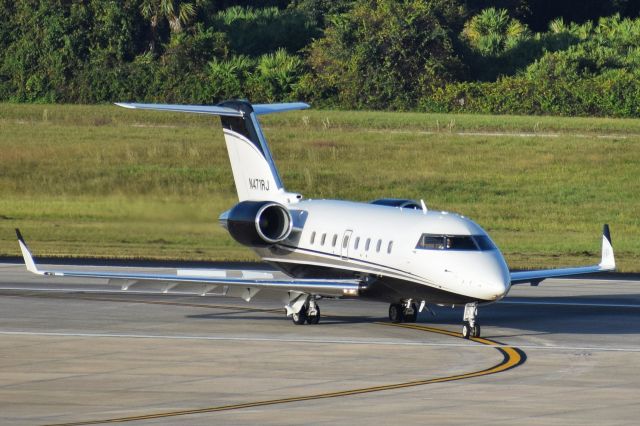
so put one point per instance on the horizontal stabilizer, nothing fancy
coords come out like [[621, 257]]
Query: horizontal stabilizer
[[261, 109], [258, 109], [195, 109]]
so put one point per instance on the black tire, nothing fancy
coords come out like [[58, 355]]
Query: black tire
[[475, 330], [315, 318], [395, 313], [466, 330], [301, 317]]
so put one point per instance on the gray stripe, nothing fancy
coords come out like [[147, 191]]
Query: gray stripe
[[317, 341]]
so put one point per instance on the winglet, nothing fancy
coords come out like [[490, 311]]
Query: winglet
[[26, 254], [608, 262]]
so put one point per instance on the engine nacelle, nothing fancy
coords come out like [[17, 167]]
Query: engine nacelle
[[258, 223], [398, 202]]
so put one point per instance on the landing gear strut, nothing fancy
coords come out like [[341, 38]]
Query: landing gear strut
[[406, 311], [470, 325], [303, 309]]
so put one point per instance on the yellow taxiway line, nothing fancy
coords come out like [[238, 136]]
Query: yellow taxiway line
[[512, 357]]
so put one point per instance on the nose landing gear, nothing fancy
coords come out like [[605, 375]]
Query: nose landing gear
[[470, 325]]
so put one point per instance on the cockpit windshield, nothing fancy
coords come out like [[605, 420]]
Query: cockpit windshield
[[455, 242]]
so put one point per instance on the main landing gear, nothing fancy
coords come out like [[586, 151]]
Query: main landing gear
[[304, 311], [406, 311], [470, 325]]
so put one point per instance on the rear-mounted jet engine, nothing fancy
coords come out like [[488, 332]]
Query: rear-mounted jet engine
[[258, 223]]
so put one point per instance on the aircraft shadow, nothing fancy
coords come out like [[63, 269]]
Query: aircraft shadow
[[261, 315], [553, 315], [547, 315]]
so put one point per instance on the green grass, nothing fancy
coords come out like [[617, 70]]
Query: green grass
[[105, 181]]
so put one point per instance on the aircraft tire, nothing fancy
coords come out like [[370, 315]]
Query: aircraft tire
[[475, 330], [396, 313], [466, 330], [301, 317], [414, 316], [315, 318]]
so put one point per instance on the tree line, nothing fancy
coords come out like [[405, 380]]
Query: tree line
[[503, 56]]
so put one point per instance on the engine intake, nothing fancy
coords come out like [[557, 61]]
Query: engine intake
[[258, 223]]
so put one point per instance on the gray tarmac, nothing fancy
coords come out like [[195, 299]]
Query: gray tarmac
[[72, 356]]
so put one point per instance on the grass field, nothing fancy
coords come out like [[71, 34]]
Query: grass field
[[108, 182]]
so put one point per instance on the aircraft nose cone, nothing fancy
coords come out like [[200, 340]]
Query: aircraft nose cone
[[491, 279], [498, 289], [495, 285]]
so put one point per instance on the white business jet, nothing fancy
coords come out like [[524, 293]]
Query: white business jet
[[390, 250]]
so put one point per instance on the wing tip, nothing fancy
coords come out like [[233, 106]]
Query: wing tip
[[26, 254], [606, 233], [608, 261]]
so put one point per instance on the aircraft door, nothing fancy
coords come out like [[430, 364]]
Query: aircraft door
[[344, 247]]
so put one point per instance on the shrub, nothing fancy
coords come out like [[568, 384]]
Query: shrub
[[386, 54]]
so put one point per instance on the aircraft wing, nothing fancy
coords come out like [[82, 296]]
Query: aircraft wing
[[195, 281], [607, 263]]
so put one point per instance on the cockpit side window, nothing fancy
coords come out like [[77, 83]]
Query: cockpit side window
[[461, 243], [484, 242], [455, 242], [431, 242]]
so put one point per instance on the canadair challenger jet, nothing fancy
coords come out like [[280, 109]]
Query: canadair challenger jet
[[390, 250]]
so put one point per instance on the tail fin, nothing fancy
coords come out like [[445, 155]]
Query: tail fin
[[254, 170]]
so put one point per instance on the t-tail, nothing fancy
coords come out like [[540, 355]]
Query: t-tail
[[254, 171]]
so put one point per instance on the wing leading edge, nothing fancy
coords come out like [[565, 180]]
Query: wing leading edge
[[201, 281], [607, 263]]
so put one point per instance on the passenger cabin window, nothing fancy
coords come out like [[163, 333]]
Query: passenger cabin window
[[313, 236], [335, 239], [455, 242], [356, 243], [389, 247], [322, 240], [345, 241], [378, 246], [367, 244]]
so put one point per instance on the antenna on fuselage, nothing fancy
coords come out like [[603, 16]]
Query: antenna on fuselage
[[424, 206]]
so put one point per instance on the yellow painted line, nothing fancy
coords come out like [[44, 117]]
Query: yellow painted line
[[512, 357]]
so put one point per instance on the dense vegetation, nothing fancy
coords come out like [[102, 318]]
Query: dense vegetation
[[507, 56]]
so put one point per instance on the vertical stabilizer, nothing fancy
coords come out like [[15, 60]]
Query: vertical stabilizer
[[254, 171]]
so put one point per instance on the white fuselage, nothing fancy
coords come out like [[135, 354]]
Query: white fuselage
[[382, 242]]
